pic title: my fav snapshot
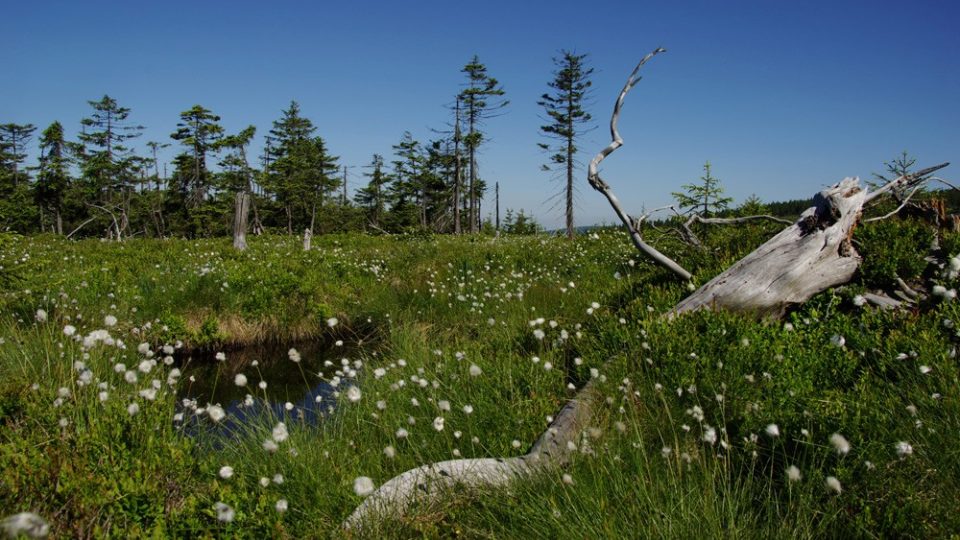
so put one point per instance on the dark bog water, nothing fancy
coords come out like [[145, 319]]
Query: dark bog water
[[292, 389]]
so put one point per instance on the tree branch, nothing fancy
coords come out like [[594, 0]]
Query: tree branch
[[598, 184], [905, 181]]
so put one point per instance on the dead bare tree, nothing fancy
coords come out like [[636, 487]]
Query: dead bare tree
[[307, 238], [808, 257], [241, 211]]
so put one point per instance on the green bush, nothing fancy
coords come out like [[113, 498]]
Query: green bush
[[892, 248]]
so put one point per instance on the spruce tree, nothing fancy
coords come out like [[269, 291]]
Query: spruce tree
[[481, 99], [16, 212], [53, 174], [564, 108], [406, 190], [706, 198], [291, 156], [198, 131], [107, 163], [372, 197]]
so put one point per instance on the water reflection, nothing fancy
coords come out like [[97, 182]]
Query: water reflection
[[295, 390]]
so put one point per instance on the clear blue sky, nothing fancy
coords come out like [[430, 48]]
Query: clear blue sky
[[782, 97]]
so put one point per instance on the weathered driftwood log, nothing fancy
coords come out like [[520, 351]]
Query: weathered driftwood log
[[811, 255], [241, 210], [807, 258], [429, 483]]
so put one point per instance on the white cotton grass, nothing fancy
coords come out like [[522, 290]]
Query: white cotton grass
[[840, 443], [216, 413], [363, 486], [240, 380], [225, 512], [773, 430], [27, 524], [332, 321], [41, 316], [226, 472], [353, 394], [282, 505], [293, 355], [793, 473], [834, 485], [903, 449], [279, 432]]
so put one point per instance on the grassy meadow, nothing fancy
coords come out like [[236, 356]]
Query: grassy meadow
[[840, 420]]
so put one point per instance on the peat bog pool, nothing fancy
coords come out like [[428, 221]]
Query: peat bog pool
[[290, 380]]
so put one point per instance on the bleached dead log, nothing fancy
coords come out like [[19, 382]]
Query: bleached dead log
[[810, 256], [429, 483], [806, 258], [911, 294]]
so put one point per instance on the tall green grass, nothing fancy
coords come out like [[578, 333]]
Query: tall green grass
[[491, 335]]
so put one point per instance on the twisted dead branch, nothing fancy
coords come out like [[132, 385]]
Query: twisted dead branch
[[593, 176]]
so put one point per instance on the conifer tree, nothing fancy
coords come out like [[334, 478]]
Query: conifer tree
[[13, 151], [706, 198], [198, 131], [372, 197], [564, 108], [16, 212], [481, 99], [53, 175], [299, 170], [106, 161]]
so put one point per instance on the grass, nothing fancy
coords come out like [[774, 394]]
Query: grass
[[465, 329]]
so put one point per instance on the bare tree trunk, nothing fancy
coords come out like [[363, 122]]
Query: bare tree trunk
[[241, 210], [498, 206], [570, 152], [473, 176], [457, 171], [257, 225], [307, 239]]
